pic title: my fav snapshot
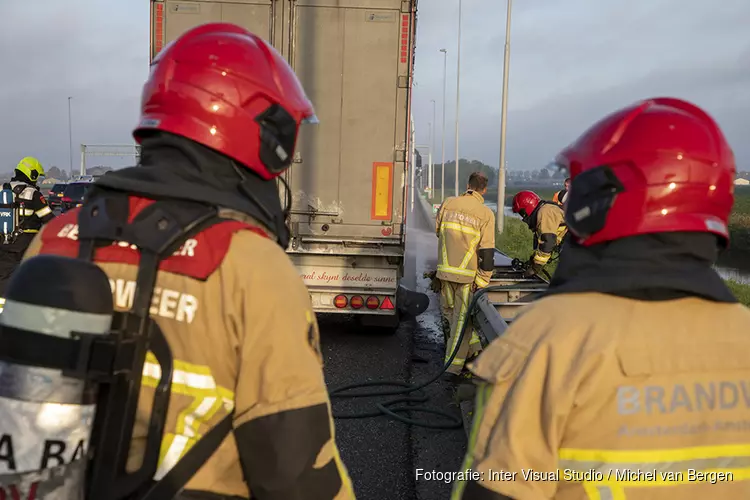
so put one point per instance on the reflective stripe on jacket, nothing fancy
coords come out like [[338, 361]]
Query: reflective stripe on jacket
[[464, 225], [35, 211]]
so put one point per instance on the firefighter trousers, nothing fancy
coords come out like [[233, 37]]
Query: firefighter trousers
[[455, 300], [446, 309]]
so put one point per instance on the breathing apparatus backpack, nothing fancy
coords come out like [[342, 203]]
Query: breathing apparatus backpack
[[71, 367], [9, 210]]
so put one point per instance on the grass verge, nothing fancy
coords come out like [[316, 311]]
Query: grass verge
[[742, 292]]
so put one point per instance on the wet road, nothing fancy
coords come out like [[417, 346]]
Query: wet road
[[382, 454]]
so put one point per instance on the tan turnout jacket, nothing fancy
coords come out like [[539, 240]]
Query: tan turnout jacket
[[464, 224], [549, 232], [593, 396], [239, 321]]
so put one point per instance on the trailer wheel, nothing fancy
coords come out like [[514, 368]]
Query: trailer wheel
[[380, 325]]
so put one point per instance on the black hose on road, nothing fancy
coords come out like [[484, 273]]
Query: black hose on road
[[393, 407]]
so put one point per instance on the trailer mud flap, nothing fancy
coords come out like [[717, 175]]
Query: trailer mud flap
[[411, 303]]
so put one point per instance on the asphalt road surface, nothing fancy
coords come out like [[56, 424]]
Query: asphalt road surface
[[383, 454]]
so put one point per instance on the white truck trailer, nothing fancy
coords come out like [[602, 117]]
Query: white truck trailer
[[350, 178]]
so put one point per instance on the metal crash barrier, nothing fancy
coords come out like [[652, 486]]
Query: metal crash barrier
[[509, 292], [506, 296]]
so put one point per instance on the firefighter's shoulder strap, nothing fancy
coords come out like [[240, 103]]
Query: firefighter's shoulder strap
[[157, 231]]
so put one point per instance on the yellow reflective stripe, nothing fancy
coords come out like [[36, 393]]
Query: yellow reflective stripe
[[656, 456], [456, 226], [194, 381], [469, 252], [443, 250], [600, 492], [26, 211], [455, 270], [541, 258], [2, 304], [621, 468], [43, 211], [30, 230], [480, 403], [465, 289], [447, 295], [481, 282], [474, 338]]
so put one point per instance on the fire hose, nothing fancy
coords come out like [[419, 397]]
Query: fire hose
[[393, 407]]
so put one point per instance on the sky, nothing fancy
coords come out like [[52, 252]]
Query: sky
[[571, 62]]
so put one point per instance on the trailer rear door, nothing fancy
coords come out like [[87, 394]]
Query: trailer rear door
[[353, 58], [170, 18]]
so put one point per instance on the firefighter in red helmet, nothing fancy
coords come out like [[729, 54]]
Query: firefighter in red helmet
[[219, 121], [624, 375], [547, 221]]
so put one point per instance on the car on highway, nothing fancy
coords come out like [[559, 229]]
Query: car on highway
[[55, 194], [73, 195]]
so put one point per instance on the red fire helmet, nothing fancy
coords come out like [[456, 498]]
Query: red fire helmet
[[226, 88], [659, 165], [525, 202]]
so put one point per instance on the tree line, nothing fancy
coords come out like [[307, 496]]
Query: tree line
[[545, 175]]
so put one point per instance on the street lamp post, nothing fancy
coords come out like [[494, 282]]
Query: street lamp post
[[431, 129], [70, 138], [458, 88], [442, 175], [432, 147], [504, 117]]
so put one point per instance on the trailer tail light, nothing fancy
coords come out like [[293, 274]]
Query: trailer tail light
[[67, 199], [356, 302], [340, 301], [372, 302], [387, 304]]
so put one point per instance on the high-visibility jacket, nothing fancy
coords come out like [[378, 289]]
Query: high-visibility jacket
[[244, 337], [465, 227], [35, 211], [627, 399], [550, 229]]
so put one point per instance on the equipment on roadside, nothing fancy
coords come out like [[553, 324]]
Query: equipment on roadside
[[9, 223], [523, 267], [60, 348]]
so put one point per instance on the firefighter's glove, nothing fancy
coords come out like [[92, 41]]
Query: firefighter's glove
[[435, 284], [532, 269]]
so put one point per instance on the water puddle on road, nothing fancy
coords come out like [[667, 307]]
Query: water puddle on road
[[422, 241]]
